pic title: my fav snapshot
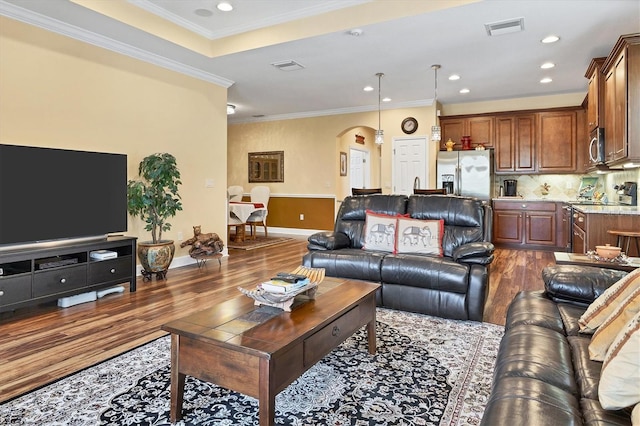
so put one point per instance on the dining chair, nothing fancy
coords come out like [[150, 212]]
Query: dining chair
[[259, 194], [235, 193], [366, 191], [430, 191]]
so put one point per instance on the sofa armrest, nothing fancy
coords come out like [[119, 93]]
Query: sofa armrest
[[328, 241], [578, 284], [478, 253]]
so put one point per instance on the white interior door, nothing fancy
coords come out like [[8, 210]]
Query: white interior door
[[409, 162], [359, 169]]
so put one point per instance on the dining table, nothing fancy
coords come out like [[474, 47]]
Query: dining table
[[242, 210]]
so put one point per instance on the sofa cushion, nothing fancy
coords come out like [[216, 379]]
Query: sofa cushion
[[423, 271], [380, 232], [570, 315], [606, 303], [419, 236], [533, 308], [578, 284], [537, 353], [619, 318], [587, 372], [519, 400], [346, 263], [595, 415], [439, 303], [328, 241], [352, 213], [463, 218], [619, 382]]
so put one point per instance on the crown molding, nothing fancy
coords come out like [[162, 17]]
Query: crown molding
[[338, 111], [32, 18], [324, 7]]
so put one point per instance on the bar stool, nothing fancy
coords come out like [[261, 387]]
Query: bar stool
[[626, 237]]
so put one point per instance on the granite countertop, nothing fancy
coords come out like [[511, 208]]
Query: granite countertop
[[590, 209]]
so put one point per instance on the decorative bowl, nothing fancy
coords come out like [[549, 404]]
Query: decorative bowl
[[608, 251]]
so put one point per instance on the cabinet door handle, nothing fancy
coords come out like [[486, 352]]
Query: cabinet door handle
[[63, 280], [524, 206], [1, 293], [581, 219], [335, 331], [113, 270]]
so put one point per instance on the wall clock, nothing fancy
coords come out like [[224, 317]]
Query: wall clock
[[409, 125]]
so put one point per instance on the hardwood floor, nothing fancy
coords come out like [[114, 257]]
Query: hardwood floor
[[42, 344]]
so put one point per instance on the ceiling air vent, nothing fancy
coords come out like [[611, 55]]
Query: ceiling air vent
[[288, 65], [505, 27]]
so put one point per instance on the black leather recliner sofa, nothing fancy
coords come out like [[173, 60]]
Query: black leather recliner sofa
[[543, 373], [452, 286]]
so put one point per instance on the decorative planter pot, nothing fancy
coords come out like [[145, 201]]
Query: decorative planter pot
[[155, 258]]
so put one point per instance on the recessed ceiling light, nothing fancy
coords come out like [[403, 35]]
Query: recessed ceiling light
[[547, 65], [224, 6], [368, 89], [454, 77], [386, 99], [546, 80], [356, 32], [463, 91], [550, 39], [231, 109], [203, 12]]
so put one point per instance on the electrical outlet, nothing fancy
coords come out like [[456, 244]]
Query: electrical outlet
[[301, 216], [180, 236], [209, 183]]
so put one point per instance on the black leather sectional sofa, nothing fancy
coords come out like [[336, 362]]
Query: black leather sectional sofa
[[451, 286], [543, 373]]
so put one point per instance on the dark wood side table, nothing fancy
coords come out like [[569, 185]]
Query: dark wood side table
[[563, 258], [259, 351]]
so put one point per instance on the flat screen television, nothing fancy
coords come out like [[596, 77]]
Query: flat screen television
[[49, 194]]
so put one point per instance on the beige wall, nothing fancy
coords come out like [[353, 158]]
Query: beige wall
[[59, 92], [312, 145]]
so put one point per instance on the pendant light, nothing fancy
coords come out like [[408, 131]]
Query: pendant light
[[436, 131], [379, 140]]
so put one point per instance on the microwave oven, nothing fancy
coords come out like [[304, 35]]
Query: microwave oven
[[596, 147]]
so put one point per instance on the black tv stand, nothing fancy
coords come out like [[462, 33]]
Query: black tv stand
[[68, 270]]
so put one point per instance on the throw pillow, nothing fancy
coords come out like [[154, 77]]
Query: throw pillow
[[419, 236], [379, 232], [606, 303], [607, 332], [620, 375]]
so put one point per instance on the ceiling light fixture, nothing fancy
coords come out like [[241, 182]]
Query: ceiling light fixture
[[546, 80], [386, 99], [454, 77], [547, 65], [464, 91], [436, 131], [224, 6], [368, 89], [550, 39], [231, 109], [379, 140]]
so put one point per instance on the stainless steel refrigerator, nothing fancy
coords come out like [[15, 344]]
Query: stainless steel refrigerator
[[470, 172]]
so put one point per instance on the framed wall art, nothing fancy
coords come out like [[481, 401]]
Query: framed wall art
[[266, 166], [343, 164]]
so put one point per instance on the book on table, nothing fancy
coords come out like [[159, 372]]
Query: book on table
[[278, 286]]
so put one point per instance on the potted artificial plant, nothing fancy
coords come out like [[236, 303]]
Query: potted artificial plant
[[154, 198]]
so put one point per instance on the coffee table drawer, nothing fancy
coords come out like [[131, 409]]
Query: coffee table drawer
[[330, 336]]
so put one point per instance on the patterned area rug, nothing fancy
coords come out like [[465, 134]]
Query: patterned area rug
[[427, 371], [259, 242]]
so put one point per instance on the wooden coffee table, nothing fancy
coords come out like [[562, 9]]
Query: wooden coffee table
[[260, 350]]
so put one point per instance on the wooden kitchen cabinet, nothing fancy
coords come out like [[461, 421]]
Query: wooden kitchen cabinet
[[595, 94], [556, 150], [523, 223], [479, 128], [622, 101], [590, 229], [515, 143]]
